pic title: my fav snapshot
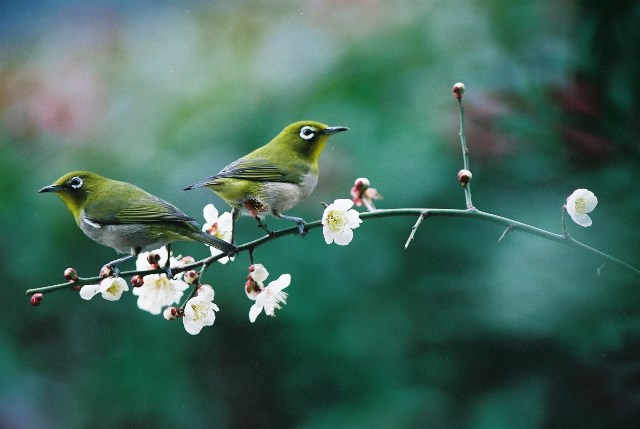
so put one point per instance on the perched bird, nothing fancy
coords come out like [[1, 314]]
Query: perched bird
[[125, 217], [275, 177]]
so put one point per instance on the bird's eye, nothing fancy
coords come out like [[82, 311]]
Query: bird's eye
[[307, 132], [76, 182]]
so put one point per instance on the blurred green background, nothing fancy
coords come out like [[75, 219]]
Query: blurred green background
[[458, 331]]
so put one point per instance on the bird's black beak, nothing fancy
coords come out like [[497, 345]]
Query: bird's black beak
[[51, 188], [333, 130]]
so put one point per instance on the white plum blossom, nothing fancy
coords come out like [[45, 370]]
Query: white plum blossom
[[338, 220], [219, 226], [111, 289], [157, 290], [270, 298], [200, 311], [579, 203]]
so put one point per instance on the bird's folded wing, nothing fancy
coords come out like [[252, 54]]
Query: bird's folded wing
[[256, 169], [142, 208]]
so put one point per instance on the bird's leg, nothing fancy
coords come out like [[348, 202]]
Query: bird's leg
[[114, 264], [302, 229], [235, 214], [262, 225], [167, 264]]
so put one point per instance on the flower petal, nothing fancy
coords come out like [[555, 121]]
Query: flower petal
[[89, 291], [254, 311], [344, 237], [259, 273], [210, 213]]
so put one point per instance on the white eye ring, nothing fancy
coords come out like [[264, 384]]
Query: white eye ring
[[307, 132], [76, 182]]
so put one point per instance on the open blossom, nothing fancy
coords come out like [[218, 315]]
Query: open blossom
[[270, 298], [111, 289], [219, 226], [579, 203], [157, 290], [200, 311], [338, 220]]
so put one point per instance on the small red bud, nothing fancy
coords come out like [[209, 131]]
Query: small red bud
[[458, 90], [464, 176], [36, 299], [76, 288], [153, 258], [106, 271], [137, 281], [71, 274]]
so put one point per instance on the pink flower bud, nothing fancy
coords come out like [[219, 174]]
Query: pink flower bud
[[186, 260], [137, 281], [458, 90], [36, 299], [71, 274], [464, 176]]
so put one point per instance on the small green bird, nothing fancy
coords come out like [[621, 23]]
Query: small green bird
[[275, 177], [125, 217]]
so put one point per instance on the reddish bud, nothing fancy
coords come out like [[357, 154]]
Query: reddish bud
[[76, 288], [153, 258], [458, 90], [191, 277], [464, 176], [106, 271], [137, 281], [171, 313], [71, 274], [36, 299]]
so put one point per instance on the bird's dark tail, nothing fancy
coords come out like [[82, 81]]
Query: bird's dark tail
[[209, 239]]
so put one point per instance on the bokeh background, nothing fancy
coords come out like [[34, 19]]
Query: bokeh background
[[457, 331]]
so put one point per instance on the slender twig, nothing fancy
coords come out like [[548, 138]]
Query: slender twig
[[465, 154], [414, 228]]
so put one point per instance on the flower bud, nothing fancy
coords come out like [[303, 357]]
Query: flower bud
[[36, 299], [171, 313], [76, 288], [191, 277], [137, 281], [458, 90], [71, 274], [464, 176], [106, 271], [153, 258], [188, 260], [361, 183]]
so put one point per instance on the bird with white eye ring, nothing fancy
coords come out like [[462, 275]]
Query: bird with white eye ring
[[126, 218], [275, 177]]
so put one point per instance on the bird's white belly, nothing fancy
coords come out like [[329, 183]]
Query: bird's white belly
[[280, 196], [123, 237]]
